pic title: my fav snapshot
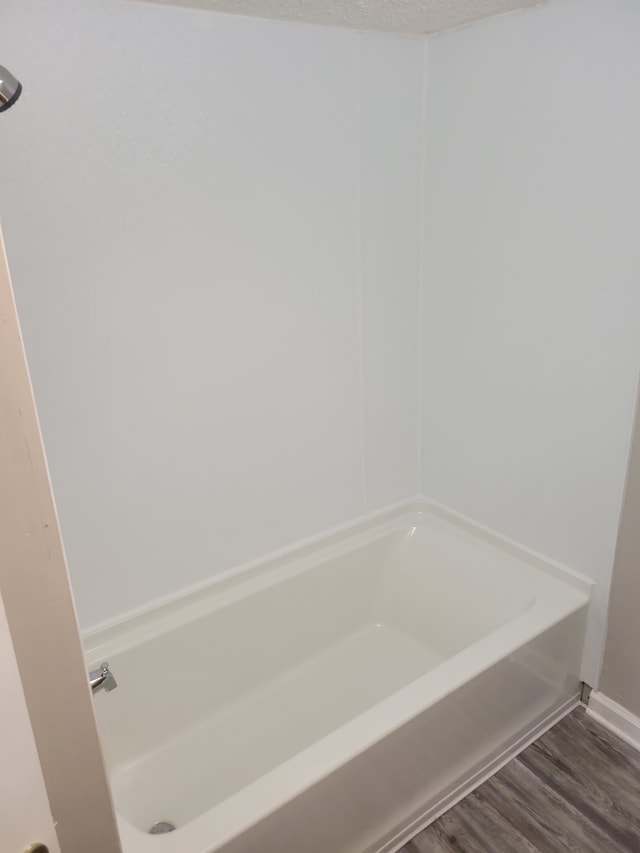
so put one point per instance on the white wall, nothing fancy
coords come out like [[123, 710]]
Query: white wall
[[212, 229], [621, 666], [531, 335], [393, 88]]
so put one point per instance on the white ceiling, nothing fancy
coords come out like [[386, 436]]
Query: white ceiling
[[400, 16]]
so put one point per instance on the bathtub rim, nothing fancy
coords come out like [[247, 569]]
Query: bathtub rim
[[170, 612]]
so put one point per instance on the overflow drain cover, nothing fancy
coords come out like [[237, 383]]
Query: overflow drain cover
[[161, 827]]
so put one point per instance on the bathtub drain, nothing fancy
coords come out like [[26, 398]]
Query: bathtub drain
[[161, 827]]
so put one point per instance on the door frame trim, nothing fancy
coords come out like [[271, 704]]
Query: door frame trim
[[37, 596]]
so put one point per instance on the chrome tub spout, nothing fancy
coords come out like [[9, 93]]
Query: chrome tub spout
[[102, 679]]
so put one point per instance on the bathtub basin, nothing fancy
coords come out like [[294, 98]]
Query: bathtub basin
[[335, 699]]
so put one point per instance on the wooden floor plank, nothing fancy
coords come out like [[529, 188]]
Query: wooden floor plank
[[542, 815], [596, 735], [491, 829], [575, 789], [452, 834], [612, 808], [594, 768], [606, 752]]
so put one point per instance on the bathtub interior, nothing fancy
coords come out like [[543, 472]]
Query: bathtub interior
[[220, 700]]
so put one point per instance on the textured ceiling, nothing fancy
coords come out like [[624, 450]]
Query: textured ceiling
[[400, 16]]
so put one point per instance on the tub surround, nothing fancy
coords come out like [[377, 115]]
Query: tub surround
[[239, 351], [531, 320], [351, 686], [394, 273]]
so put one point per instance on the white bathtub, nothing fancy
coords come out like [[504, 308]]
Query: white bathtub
[[336, 699]]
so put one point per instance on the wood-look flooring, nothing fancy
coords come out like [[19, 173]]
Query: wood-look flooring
[[577, 788]]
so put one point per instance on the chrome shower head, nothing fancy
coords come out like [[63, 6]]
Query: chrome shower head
[[9, 89]]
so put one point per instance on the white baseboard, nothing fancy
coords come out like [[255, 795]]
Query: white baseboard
[[614, 717], [490, 769]]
